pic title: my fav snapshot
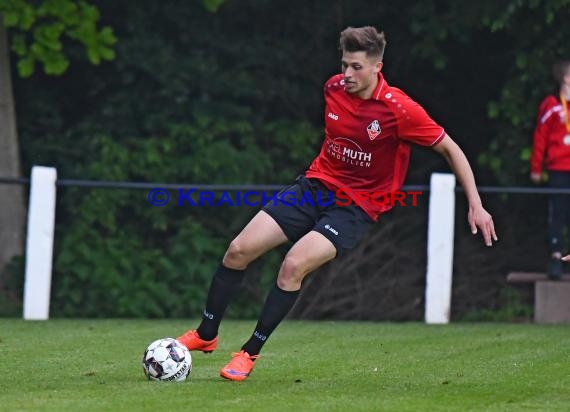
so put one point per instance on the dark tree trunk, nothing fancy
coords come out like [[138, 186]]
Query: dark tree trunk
[[12, 208]]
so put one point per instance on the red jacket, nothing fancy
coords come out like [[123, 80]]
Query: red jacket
[[551, 141]]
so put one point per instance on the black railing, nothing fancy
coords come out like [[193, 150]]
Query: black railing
[[102, 184]]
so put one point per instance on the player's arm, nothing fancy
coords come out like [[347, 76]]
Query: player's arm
[[539, 144], [478, 217], [537, 156]]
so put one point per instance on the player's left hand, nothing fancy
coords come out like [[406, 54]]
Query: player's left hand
[[478, 217]]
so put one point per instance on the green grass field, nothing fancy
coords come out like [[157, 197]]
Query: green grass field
[[94, 365]]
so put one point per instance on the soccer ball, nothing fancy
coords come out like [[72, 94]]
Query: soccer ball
[[166, 359]]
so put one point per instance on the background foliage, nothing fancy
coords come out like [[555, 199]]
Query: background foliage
[[230, 92], [39, 30]]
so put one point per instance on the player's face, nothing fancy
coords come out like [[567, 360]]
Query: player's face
[[360, 73]]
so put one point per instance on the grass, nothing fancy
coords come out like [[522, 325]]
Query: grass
[[94, 365]]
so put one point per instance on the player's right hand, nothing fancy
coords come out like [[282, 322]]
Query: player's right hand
[[536, 177]]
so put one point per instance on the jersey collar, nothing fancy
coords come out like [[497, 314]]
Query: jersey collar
[[379, 87]]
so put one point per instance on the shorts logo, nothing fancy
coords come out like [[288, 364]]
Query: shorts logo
[[333, 116], [331, 229], [373, 129]]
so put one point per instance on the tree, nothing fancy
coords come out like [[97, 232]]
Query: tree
[[38, 33], [11, 197]]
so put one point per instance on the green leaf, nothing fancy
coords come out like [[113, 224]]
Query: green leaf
[[106, 36], [213, 5], [493, 110], [94, 56], [525, 154], [107, 53], [48, 36], [27, 18], [56, 64], [19, 45], [26, 66], [11, 19], [88, 12]]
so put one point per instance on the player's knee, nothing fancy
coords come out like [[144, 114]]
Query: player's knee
[[291, 274], [236, 256]]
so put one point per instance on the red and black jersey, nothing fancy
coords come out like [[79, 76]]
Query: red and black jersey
[[367, 142], [551, 141]]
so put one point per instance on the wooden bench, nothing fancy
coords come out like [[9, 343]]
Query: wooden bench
[[551, 297]]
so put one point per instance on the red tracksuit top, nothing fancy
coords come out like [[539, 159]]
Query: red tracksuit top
[[551, 141], [367, 142]]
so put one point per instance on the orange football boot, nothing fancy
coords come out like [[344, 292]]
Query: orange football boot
[[193, 341], [239, 367]]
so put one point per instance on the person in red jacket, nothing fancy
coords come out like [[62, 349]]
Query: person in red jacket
[[551, 147], [369, 129]]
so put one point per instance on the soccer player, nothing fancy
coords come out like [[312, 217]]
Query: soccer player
[[551, 145], [369, 127]]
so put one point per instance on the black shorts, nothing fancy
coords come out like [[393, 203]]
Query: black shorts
[[308, 205]]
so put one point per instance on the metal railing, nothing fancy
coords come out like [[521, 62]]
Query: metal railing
[[107, 184]]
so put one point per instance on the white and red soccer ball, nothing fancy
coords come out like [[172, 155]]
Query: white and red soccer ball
[[167, 359]]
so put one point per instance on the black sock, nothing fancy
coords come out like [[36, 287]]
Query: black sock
[[222, 288], [277, 305]]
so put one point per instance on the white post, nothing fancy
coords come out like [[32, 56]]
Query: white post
[[440, 248], [39, 243]]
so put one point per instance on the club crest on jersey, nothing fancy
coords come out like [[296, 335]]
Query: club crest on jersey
[[373, 129]]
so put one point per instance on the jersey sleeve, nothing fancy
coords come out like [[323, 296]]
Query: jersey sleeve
[[540, 134], [333, 82], [416, 126]]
